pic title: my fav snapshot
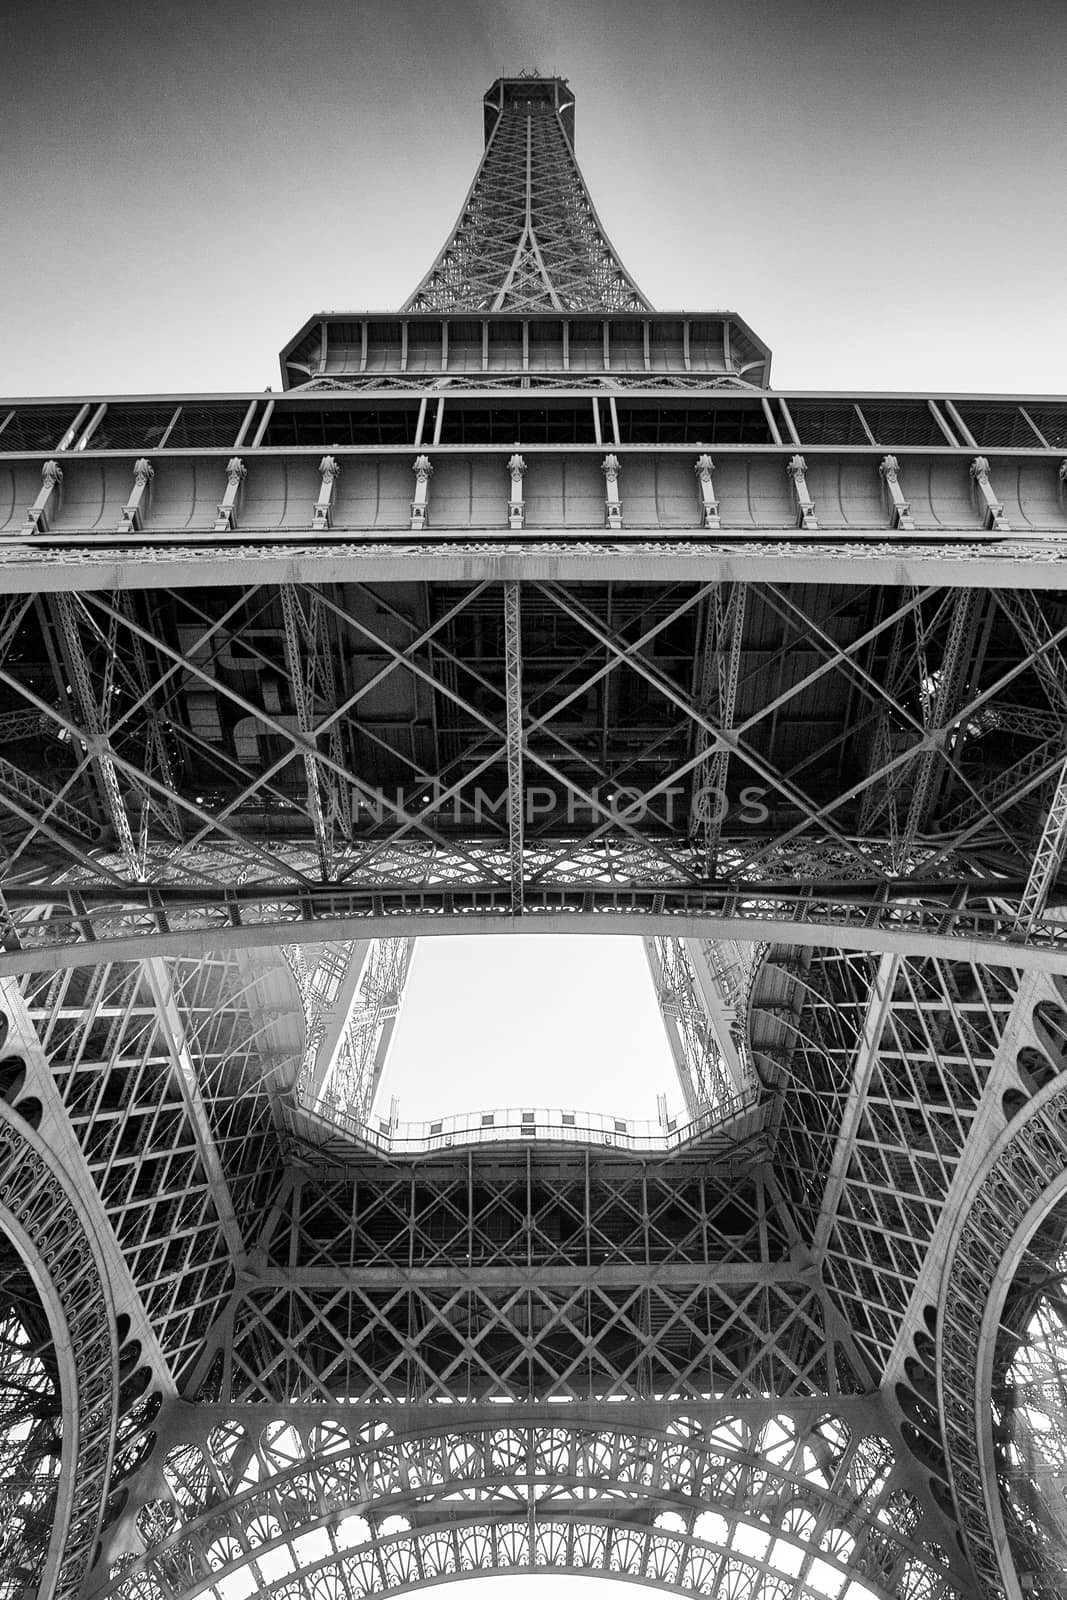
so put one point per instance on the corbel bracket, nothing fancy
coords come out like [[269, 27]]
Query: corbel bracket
[[48, 501], [516, 506], [132, 519], [422, 467], [236, 472], [329, 471], [797, 469], [709, 506], [612, 504], [899, 509], [991, 508]]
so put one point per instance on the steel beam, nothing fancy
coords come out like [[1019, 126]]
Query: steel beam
[[515, 742]]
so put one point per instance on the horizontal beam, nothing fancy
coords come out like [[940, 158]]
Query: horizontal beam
[[183, 1423], [906, 939], [604, 1275], [178, 561]]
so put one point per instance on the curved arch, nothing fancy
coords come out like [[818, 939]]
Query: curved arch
[[970, 936], [41, 1216], [329, 1567], [657, 1506], [1024, 1178]]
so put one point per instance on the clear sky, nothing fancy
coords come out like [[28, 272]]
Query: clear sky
[[878, 190]]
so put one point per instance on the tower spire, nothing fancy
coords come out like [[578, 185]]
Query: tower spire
[[528, 238]]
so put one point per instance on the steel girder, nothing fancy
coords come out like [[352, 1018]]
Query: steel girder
[[475, 805]]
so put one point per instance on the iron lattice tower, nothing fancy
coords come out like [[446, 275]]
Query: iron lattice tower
[[528, 238], [530, 607]]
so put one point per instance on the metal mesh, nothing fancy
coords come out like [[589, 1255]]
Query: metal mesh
[[395, 425], [1052, 421], [36, 427], [206, 428], [997, 427], [908, 422], [663, 424], [131, 427], [827, 424]]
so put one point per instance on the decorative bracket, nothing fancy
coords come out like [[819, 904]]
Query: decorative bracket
[[132, 519], [40, 513], [422, 467], [330, 471], [516, 508], [797, 468], [236, 472], [709, 506], [612, 504], [988, 504], [899, 509]]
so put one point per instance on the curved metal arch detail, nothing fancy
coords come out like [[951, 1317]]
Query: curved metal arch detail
[[822, 1513], [40, 1213], [580, 1547], [863, 924], [1023, 1179]]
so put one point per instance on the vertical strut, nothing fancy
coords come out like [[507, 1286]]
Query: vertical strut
[[97, 738], [513, 683]]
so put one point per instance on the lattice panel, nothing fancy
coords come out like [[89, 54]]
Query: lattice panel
[[528, 1341], [114, 1066], [807, 1015], [942, 1033], [579, 1211]]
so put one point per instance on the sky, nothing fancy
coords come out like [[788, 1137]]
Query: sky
[[877, 190], [561, 1022]]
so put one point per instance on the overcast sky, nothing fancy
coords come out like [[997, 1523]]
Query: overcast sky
[[878, 190]]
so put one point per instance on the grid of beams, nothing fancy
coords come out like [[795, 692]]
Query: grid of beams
[[404, 770]]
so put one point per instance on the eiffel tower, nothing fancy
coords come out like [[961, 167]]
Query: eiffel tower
[[532, 608]]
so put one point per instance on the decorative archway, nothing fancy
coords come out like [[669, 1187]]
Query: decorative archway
[[41, 1216], [1022, 1183], [759, 1507]]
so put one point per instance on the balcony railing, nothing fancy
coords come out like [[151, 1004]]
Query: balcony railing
[[548, 1124]]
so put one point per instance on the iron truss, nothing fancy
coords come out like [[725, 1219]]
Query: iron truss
[[235, 761], [528, 238], [776, 682]]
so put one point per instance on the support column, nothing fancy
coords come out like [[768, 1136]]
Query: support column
[[516, 794]]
